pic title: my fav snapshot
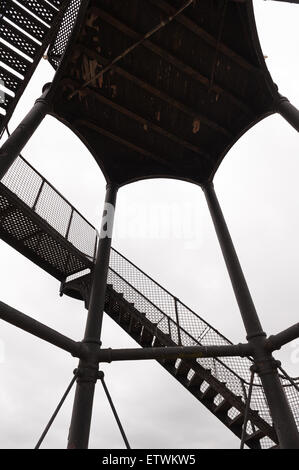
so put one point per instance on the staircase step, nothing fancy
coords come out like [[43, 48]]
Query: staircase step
[[222, 408], [209, 394], [146, 337], [237, 423], [182, 370], [16, 24], [147, 333], [195, 382], [169, 364], [253, 440], [135, 326], [124, 316], [157, 343]]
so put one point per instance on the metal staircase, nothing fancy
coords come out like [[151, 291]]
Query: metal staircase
[[26, 29], [38, 222], [153, 317]]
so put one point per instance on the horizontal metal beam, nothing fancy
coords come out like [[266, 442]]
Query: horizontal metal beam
[[149, 89], [166, 56], [188, 352], [125, 143], [34, 327], [182, 66], [275, 342], [145, 122], [208, 38]]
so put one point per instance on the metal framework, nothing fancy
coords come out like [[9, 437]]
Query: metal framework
[[243, 385]]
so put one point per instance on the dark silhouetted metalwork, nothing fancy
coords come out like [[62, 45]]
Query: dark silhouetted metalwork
[[64, 397], [101, 377], [174, 97], [266, 366], [243, 437], [88, 368]]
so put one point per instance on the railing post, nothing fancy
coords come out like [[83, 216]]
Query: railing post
[[38, 195], [265, 364], [177, 321], [69, 224], [95, 247], [88, 368], [169, 328], [15, 143]]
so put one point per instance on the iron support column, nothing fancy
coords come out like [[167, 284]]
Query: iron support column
[[289, 112], [89, 367], [266, 366], [15, 143]]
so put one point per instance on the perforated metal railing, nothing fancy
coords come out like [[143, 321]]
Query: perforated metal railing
[[164, 310], [26, 29], [58, 47], [186, 328], [39, 195]]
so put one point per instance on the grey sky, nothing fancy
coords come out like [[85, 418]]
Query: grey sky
[[257, 185]]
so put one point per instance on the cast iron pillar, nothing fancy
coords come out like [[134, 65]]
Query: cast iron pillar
[[289, 112], [15, 143], [89, 366], [265, 364]]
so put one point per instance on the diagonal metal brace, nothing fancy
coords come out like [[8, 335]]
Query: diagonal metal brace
[[81, 350], [34, 327]]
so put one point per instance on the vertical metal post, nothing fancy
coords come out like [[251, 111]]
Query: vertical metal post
[[69, 225], [266, 366], [169, 327], [38, 195], [289, 112], [15, 143], [88, 369], [177, 321], [95, 248], [247, 408]]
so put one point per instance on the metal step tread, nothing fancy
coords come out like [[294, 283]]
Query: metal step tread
[[206, 398], [27, 31]]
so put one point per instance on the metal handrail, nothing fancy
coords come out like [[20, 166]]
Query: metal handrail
[[45, 180], [11, 181], [169, 319], [171, 295], [153, 293]]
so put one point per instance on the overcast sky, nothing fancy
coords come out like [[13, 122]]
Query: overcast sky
[[257, 185]]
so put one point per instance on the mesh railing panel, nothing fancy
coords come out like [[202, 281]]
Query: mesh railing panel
[[23, 181], [293, 398], [86, 244], [58, 48], [52, 208], [40, 196], [163, 309]]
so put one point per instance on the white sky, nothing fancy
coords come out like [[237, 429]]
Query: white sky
[[257, 187]]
